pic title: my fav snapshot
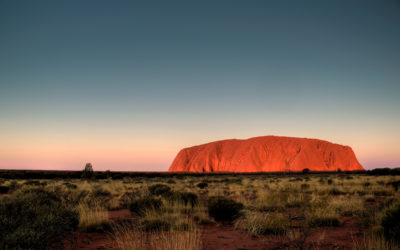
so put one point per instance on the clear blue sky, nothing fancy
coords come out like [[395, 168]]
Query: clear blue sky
[[125, 85]]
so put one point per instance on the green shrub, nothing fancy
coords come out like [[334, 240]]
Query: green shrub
[[34, 219], [390, 222], [159, 189], [224, 209], [140, 205]]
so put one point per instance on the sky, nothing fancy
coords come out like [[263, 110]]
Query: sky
[[126, 84]]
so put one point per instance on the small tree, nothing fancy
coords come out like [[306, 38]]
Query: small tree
[[87, 171], [306, 171]]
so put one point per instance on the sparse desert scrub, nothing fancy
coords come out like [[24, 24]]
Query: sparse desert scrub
[[93, 218], [258, 223], [297, 200], [349, 206]]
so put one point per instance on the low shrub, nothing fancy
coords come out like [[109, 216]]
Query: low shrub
[[35, 219], [394, 184], [224, 209], [140, 205], [70, 185], [159, 189], [202, 185], [305, 186], [390, 222], [335, 191], [171, 181], [100, 192], [4, 189]]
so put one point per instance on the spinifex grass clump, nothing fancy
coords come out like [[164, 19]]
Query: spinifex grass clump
[[258, 223], [224, 209], [323, 217], [187, 198], [34, 219], [93, 218], [140, 205]]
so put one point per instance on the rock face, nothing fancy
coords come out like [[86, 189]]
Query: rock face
[[266, 154]]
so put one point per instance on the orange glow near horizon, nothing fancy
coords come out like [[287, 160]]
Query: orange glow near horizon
[[131, 155]]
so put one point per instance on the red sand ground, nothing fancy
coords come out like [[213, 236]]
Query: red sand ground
[[266, 154]]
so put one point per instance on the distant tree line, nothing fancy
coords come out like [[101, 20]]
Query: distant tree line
[[52, 174]]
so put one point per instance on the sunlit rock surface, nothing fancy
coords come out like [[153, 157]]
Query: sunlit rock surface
[[266, 154]]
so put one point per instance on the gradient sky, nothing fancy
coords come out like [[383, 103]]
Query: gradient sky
[[126, 85]]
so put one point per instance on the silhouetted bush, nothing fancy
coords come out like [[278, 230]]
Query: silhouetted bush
[[390, 222], [139, 206], [305, 186], [35, 183], [159, 189], [35, 219], [171, 181], [4, 189], [202, 185], [335, 191], [70, 185], [223, 209], [394, 184]]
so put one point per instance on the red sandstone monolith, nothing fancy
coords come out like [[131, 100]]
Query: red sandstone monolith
[[266, 154]]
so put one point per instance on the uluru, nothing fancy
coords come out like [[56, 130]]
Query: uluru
[[266, 154]]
